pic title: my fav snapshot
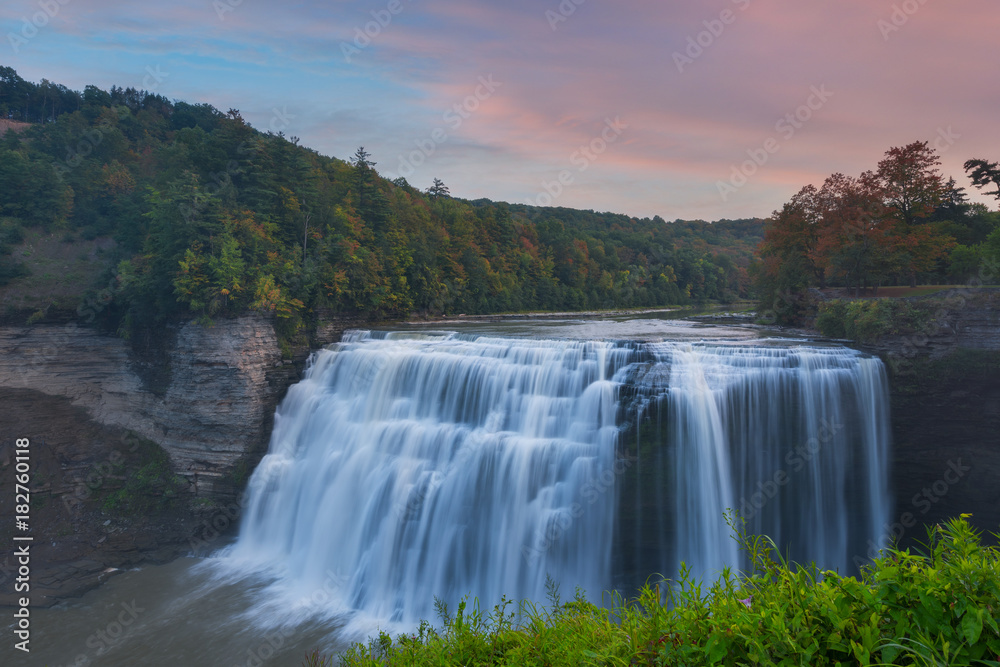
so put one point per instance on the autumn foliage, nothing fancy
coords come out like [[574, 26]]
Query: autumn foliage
[[858, 233]]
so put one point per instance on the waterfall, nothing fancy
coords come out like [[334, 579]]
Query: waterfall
[[413, 467], [794, 438], [438, 466]]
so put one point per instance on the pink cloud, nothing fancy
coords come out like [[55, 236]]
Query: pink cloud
[[560, 81]]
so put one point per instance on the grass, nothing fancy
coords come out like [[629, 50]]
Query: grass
[[934, 607], [56, 274], [150, 483]]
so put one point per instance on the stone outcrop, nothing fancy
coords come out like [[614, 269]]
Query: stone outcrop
[[208, 400], [97, 411], [77, 465], [962, 318]]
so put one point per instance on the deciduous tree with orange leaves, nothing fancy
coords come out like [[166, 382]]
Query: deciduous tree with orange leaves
[[912, 188], [856, 232]]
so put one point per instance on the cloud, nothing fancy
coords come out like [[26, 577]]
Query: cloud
[[561, 80]]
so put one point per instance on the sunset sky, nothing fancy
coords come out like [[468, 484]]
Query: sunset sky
[[641, 107]]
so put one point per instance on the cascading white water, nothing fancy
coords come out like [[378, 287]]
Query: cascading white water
[[794, 438], [415, 467], [405, 468]]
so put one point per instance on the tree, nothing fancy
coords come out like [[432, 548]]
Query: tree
[[856, 240], [364, 173], [371, 203], [954, 203], [912, 189], [438, 189], [984, 174], [790, 239]]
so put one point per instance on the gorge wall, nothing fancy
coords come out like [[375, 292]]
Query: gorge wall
[[205, 401], [944, 380], [135, 457]]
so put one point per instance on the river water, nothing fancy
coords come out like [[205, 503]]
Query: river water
[[463, 459]]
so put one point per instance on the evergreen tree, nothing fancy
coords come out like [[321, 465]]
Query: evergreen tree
[[984, 174], [438, 189]]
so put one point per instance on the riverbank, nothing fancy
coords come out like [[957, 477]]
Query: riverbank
[[540, 315]]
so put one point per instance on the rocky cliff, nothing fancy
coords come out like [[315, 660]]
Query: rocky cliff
[[946, 441], [206, 401], [960, 319], [945, 397], [135, 457]]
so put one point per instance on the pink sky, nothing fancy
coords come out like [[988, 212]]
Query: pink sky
[[891, 73]]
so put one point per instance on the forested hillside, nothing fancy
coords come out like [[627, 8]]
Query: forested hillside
[[210, 217]]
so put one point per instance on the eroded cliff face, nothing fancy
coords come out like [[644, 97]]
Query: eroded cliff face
[[962, 319], [207, 400], [89, 517], [135, 458], [946, 441], [945, 395]]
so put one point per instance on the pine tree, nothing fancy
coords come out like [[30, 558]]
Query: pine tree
[[438, 189], [984, 174]]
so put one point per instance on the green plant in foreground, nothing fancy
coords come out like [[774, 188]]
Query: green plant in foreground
[[314, 659], [934, 607]]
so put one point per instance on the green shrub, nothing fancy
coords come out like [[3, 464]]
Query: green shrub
[[9, 270], [832, 318], [938, 607], [11, 233], [869, 320], [149, 488]]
